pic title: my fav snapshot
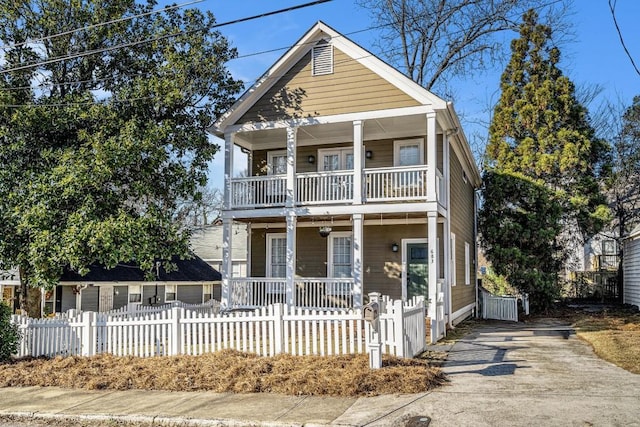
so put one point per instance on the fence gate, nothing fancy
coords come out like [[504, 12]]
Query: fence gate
[[499, 307]]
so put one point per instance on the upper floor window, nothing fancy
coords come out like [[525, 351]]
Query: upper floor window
[[408, 152], [277, 162], [335, 159], [322, 59]]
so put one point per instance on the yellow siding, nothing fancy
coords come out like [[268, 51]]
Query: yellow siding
[[351, 88], [462, 224]]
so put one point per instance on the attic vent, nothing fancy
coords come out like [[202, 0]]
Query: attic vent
[[322, 59]]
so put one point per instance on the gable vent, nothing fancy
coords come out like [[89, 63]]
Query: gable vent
[[322, 59]]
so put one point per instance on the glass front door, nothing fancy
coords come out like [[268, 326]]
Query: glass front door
[[417, 272]]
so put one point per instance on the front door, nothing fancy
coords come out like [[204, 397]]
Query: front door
[[416, 270]]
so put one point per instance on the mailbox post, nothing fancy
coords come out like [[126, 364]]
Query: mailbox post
[[371, 314]]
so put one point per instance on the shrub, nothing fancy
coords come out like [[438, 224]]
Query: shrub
[[9, 334]]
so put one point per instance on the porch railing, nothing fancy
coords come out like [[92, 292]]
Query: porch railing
[[258, 191], [325, 187], [312, 293], [391, 184]]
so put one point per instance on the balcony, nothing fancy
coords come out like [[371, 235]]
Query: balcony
[[380, 185]]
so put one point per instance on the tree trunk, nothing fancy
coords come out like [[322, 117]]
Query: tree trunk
[[29, 300]]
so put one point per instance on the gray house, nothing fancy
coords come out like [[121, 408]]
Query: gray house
[[631, 268]]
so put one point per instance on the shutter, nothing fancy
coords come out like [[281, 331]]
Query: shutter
[[322, 62]]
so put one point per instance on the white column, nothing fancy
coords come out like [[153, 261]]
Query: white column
[[432, 161], [446, 172], [248, 254], [291, 167], [358, 163], [432, 230], [228, 169], [227, 261], [358, 254], [291, 257]]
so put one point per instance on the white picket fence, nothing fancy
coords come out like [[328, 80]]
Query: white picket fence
[[266, 331], [502, 307]]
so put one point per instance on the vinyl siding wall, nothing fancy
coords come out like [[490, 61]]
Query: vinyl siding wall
[[631, 267], [351, 88]]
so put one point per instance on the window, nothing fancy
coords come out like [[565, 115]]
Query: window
[[340, 254], [207, 292], [335, 159], [135, 294], [277, 255], [277, 162], [408, 152], [452, 261], [169, 293], [467, 263], [609, 247], [322, 59]]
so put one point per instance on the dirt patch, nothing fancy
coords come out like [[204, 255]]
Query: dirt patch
[[228, 371]]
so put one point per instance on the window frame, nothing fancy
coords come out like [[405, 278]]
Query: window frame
[[132, 291], [398, 143], [268, 266], [330, 244], [467, 263], [167, 292], [452, 260], [270, 156]]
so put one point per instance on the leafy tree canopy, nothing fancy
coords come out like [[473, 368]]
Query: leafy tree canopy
[[103, 130]]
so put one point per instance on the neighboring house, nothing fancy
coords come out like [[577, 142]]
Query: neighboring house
[[10, 288], [206, 242], [360, 181], [631, 268], [102, 290]]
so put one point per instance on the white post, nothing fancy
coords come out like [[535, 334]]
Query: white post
[[358, 163], [291, 167], [398, 328], [432, 230], [432, 161], [227, 262], [278, 327], [291, 258], [176, 338], [374, 343], [228, 170], [88, 334], [358, 253]]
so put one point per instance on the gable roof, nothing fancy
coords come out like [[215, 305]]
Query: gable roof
[[321, 31], [189, 270]]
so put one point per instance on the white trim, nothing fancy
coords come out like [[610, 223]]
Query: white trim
[[130, 291], [333, 235], [404, 243], [467, 309], [170, 289], [269, 238], [408, 142], [467, 263], [452, 260]]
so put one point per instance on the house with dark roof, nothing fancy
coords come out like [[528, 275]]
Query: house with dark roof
[[193, 282]]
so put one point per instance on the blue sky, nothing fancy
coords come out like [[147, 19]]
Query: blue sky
[[594, 56]]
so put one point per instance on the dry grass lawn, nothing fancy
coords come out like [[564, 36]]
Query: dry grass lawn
[[228, 371], [614, 336]]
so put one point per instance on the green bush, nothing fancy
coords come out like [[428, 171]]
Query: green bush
[[9, 334]]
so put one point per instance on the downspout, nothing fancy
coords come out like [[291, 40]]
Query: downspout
[[476, 195]]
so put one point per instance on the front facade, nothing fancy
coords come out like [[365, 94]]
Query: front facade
[[358, 180]]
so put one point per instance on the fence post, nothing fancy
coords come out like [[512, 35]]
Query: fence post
[[176, 336], [88, 334], [398, 328], [278, 327], [374, 342]]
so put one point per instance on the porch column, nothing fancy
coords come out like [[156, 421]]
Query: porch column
[[432, 162], [291, 257], [228, 169], [358, 164], [227, 261], [291, 167], [357, 259], [432, 230], [446, 238]]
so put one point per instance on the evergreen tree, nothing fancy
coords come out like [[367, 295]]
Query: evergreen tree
[[541, 138]]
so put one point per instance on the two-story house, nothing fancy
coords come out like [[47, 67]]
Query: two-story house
[[359, 181]]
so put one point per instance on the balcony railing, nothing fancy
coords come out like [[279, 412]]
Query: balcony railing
[[395, 184], [391, 184], [312, 293]]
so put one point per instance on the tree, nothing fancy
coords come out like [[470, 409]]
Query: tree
[[102, 131], [435, 40], [9, 334], [540, 133]]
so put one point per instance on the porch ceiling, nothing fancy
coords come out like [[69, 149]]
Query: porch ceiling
[[314, 134]]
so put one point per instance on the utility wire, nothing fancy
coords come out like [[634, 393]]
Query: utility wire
[[100, 24], [135, 43]]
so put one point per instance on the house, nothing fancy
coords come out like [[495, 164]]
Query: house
[[206, 243], [631, 268], [100, 289], [360, 181], [9, 288]]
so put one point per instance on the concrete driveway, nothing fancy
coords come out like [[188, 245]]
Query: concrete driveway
[[536, 374]]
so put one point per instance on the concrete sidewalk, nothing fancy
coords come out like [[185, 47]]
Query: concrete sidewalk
[[501, 375]]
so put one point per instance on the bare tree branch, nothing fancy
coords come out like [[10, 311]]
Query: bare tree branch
[[612, 7]]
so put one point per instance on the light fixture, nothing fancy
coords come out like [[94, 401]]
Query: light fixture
[[394, 247], [324, 231], [368, 154], [311, 158]]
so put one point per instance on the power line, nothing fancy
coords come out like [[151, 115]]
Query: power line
[[100, 24], [130, 44]]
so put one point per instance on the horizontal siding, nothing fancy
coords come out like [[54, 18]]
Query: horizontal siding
[[631, 266], [351, 88]]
